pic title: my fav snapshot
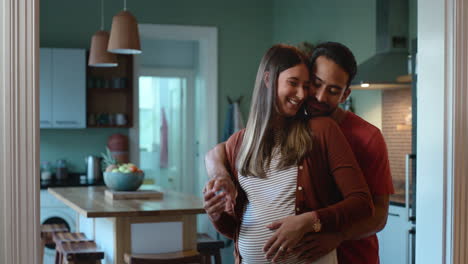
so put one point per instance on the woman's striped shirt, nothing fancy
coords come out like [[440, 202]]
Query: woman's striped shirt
[[269, 199]]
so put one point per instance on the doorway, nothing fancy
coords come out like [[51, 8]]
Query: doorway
[[203, 95], [166, 107]]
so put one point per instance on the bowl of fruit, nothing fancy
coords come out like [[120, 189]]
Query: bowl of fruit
[[122, 177]]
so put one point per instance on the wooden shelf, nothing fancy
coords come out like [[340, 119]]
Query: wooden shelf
[[111, 100], [382, 86], [109, 90], [405, 78], [403, 127], [108, 126]]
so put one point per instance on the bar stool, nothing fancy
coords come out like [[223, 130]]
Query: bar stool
[[47, 231], [209, 247], [179, 257], [80, 252], [58, 238]]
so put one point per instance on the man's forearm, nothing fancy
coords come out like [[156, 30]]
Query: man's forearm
[[371, 225], [216, 161]]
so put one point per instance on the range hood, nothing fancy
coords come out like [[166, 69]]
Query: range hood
[[382, 70]]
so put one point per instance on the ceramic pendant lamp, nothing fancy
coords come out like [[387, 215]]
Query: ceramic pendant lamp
[[98, 55], [124, 36]]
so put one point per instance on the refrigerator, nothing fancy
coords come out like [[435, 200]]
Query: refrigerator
[[397, 241]]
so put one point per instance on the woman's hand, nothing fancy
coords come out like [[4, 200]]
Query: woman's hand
[[289, 231], [223, 184], [214, 204]]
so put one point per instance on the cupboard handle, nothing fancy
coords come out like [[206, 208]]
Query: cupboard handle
[[409, 246], [45, 122], [66, 122], [408, 157]]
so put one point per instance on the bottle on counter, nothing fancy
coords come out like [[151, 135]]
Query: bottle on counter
[[61, 172]]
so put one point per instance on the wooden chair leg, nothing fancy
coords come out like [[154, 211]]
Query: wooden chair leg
[[57, 256], [206, 259], [42, 251], [83, 262], [217, 257]]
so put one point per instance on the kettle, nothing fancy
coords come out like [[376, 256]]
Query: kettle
[[94, 172]]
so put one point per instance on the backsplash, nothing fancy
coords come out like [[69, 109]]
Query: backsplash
[[396, 123], [74, 145]]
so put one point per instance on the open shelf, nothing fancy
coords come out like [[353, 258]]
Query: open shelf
[[108, 126], [110, 92]]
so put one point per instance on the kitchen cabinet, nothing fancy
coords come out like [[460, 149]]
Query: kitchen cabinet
[[63, 88], [45, 85], [395, 238], [110, 94]]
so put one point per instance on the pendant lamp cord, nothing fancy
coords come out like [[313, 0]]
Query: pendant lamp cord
[[102, 14], [125, 5]]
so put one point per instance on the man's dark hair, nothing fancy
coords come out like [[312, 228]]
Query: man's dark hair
[[338, 53]]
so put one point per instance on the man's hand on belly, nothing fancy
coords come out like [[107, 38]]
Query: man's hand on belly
[[316, 245], [289, 231]]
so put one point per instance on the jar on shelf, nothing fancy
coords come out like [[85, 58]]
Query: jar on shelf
[[46, 171]]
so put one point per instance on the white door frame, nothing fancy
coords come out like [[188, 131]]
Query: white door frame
[[19, 131], [442, 147], [457, 136], [188, 119]]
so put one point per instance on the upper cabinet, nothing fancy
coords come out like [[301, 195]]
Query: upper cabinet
[[63, 88], [110, 94], [45, 85]]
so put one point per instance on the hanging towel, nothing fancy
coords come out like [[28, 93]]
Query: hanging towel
[[234, 121], [164, 155], [238, 121], [228, 123]]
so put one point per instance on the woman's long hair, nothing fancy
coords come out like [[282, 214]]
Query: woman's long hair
[[295, 140]]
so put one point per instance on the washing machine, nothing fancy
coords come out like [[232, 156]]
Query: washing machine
[[54, 211]]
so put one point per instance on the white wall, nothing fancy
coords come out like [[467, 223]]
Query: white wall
[[431, 148]]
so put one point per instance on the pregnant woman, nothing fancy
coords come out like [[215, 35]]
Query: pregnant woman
[[286, 166]]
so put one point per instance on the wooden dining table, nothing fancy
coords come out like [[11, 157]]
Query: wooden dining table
[[137, 226]]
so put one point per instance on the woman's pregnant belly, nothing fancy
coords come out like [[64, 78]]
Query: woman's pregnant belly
[[254, 234]]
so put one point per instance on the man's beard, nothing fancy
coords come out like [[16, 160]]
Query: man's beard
[[315, 108]]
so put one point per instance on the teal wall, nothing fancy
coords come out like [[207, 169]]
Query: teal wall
[[352, 23], [349, 22], [368, 105], [413, 20], [244, 34], [74, 145]]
